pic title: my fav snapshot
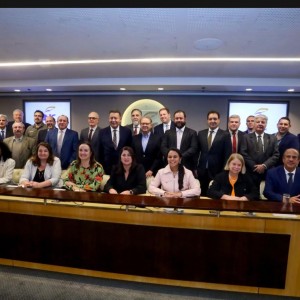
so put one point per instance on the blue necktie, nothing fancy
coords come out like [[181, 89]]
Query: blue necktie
[[290, 182]]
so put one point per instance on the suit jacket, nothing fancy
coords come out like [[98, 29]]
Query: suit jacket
[[240, 136], [269, 157], [6, 134], [288, 141], [188, 146], [151, 158], [108, 155], [9, 128], [159, 129], [130, 126], [276, 184], [215, 157], [27, 149], [94, 142], [243, 187], [70, 143]]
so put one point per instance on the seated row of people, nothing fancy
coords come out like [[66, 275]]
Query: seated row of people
[[43, 169]]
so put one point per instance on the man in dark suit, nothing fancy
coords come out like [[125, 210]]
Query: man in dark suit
[[214, 149], [135, 126], [50, 123], [146, 146], [250, 124], [284, 179], [18, 116], [182, 138], [91, 133], [285, 139], [3, 127], [111, 140], [166, 122], [235, 135], [260, 150], [64, 142]]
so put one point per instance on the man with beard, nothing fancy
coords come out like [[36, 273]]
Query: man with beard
[[136, 116], [214, 146], [182, 138], [33, 130]]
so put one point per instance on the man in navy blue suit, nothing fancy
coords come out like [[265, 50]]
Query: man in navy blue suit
[[111, 140], [166, 122], [64, 141], [278, 180], [285, 139]]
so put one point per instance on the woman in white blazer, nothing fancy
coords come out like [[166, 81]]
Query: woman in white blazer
[[43, 169], [7, 164]]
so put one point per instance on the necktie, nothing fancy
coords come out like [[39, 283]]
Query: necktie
[[179, 138], [115, 138], [135, 130], [290, 182], [209, 139], [2, 134], [166, 127], [59, 142], [90, 134], [260, 147], [233, 142]]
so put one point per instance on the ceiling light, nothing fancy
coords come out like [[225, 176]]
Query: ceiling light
[[248, 89], [122, 89], [17, 90], [291, 90], [49, 90], [160, 89]]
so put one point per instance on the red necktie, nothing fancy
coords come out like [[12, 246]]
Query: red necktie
[[135, 130], [233, 142]]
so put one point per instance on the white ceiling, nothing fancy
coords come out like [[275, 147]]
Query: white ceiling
[[51, 34]]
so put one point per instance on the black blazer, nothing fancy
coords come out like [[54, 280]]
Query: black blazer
[[188, 146], [6, 134], [244, 186], [216, 156], [240, 137], [94, 142], [136, 181], [159, 129], [151, 159], [108, 155]]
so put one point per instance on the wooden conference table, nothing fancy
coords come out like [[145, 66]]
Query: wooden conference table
[[214, 244]]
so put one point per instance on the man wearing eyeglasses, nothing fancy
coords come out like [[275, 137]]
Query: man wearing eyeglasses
[[90, 134]]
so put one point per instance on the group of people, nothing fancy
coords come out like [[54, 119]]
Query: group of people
[[227, 164]]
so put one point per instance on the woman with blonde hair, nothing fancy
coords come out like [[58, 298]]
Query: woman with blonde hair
[[233, 183]]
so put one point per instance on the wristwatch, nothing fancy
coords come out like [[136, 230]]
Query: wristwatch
[[131, 192]]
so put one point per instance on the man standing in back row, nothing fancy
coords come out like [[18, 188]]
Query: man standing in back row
[[214, 150]]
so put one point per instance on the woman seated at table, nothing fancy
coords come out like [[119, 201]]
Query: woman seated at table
[[7, 164], [127, 177], [42, 170], [84, 173], [233, 183], [174, 180]]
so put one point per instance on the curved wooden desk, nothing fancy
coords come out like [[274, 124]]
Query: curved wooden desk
[[211, 244]]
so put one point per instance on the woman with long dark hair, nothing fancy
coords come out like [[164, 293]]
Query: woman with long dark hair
[[43, 169], [84, 173], [127, 177], [174, 180], [7, 164]]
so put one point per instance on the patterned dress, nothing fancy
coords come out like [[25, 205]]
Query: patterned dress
[[88, 179]]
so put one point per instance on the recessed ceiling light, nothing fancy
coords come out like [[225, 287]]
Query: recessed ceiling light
[[291, 90], [49, 90], [248, 89], [160, 89], [122, 89], [17, 90]]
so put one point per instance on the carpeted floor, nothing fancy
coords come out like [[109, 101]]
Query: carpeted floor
[[21, 284]]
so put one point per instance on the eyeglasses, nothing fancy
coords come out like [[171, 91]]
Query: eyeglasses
[[92, 118]]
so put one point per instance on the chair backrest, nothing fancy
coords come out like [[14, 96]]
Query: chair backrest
[[261, 190]]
